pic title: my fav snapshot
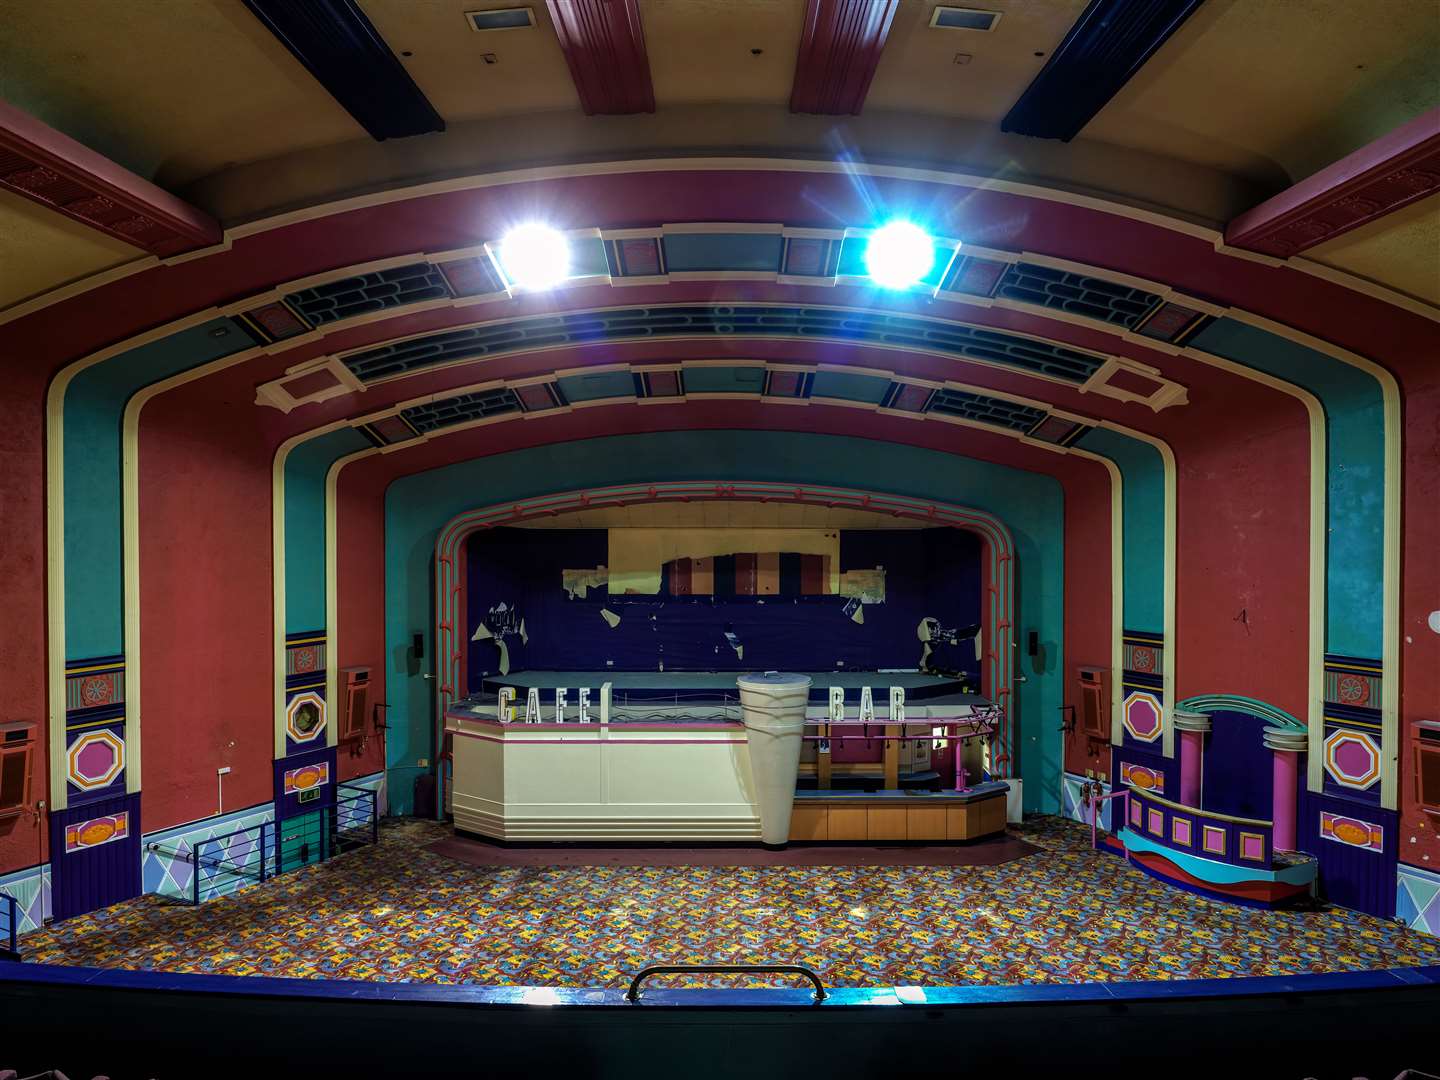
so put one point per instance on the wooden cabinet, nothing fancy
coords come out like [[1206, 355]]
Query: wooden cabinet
[[886, 823], [925, 823], [810, 823], [878, 819]]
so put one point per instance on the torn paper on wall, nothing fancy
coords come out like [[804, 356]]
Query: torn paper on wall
[[610, 617], [868, 586], [578, 583]]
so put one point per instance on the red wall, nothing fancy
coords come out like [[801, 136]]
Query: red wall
[[205, 611], [23, 839]]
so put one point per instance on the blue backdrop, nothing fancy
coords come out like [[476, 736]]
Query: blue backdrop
[[929, 572]]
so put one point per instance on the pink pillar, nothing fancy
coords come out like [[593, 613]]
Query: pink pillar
[[1192, 745], [1286, 772], [1192, 727], [1286, 746]]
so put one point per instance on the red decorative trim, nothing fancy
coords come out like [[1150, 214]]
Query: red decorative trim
[[54, 170], [1375, 180], [839, 52], [605, 47]]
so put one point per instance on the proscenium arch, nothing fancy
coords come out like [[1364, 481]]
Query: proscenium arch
[[997, 673], [1391, 545], [418, 504]]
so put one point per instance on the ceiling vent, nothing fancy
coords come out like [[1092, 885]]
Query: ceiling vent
[[521, 18], [955, 18]]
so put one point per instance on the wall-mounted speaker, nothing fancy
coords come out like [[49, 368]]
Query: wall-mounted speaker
[[1032, 640], [417, 645]]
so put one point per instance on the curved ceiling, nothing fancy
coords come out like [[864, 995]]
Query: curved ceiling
[[203, 100]]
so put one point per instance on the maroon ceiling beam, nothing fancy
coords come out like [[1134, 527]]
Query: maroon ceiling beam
[[604, 45], [54, 170], [1378, 179], [839, 52]]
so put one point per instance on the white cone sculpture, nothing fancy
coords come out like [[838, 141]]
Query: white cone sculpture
[[772, 707]]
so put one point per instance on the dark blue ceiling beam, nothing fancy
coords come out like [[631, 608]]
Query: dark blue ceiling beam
[[338, 45], [1108, 44]]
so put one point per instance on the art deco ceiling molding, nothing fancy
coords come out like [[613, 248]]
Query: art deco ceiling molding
[[44, 166], [839, 52], [604, 45], [1390, 173]]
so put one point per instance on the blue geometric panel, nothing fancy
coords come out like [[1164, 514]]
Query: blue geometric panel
[[630, 324]]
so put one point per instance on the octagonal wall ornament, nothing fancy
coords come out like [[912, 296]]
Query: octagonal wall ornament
[[305, 717], [1142, 716], [1352, 759], [95, 759]]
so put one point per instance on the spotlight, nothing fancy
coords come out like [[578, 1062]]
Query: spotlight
[[899, 255], [535, 256]]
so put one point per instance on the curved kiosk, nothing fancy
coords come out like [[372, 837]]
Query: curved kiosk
[[654, 771]]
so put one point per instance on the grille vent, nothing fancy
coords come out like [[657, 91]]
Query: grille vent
[[344, 299], [1092, 297]]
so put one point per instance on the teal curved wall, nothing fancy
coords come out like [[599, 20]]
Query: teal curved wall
[[1030, 504]]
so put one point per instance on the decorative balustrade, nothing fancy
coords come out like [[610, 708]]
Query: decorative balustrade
[[1203, 833]]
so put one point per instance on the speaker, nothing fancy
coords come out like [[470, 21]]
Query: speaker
[[1033, 643], [417, 645]]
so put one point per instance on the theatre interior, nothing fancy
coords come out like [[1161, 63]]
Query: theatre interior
[[719, 537]]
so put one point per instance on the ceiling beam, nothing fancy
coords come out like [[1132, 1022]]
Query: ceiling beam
[[604, 45], [339, 46], [1379, 178], [54, 170], [839, 52], [1108, 44]]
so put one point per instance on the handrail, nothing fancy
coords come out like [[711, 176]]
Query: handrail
[[1199, 812], [633, 994], [8, 947]]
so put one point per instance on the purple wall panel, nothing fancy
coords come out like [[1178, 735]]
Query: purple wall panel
[[94, 876], [1354, 877]]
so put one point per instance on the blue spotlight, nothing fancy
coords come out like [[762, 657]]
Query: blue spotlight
[[899, 255], [535, 256]]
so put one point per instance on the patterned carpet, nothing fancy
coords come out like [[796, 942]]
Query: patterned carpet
[[400, 913]]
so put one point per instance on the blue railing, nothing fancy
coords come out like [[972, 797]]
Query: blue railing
[[10, 928], [222, 861], [260, 852], [357, 821]]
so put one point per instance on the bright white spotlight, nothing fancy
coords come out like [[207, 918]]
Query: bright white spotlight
[[535, 256], [899, 255]]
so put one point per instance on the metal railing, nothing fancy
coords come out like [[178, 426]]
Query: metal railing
[[10, 929], [214, 865], [633, 994], [357, 821]]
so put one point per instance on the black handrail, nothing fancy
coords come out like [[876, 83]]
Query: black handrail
[[633, 994]]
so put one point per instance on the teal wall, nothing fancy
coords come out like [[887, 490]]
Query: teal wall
[[1142, 473], [305, 470], [94, 407], [1354, 475], [1030, 504]]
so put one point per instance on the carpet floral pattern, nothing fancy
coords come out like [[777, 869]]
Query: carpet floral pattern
[[396, 912]]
